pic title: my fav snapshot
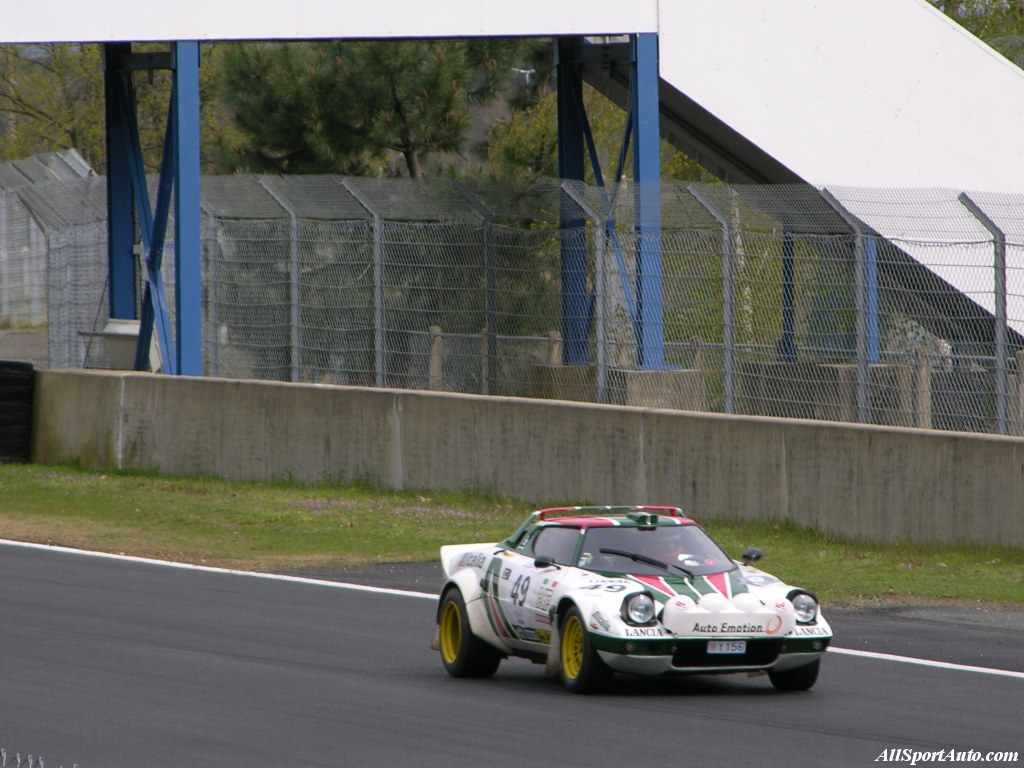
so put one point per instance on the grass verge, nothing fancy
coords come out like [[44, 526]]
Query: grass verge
[[276, 526]]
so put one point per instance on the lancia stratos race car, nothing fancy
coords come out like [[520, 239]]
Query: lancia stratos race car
[[643, 590]]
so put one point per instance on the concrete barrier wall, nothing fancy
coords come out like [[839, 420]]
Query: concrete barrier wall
[[861, 482]]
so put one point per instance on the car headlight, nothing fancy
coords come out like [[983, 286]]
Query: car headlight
[[805, 605], [638, 608]]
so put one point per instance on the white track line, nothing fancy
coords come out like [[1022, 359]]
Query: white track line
[[211, 569], [928, 663], [428, 596]]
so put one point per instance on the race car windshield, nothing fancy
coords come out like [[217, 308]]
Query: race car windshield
[[686, 551]]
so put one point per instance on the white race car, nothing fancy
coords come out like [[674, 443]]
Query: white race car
[[641, 590]]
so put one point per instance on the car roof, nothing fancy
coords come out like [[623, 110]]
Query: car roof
[[607, 516]]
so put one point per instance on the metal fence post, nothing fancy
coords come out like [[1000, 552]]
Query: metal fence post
[[600, 318], [435, 365], [787, 344], [295, 281], [863, 287], [600, 315], [923, 379], [554, 348], [490, 287], [999, 288], [861, 303], [728, 297], [379, 327], [213, 338]]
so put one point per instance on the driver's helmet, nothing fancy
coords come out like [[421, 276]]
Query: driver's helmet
[[666, 545], [673, 547]]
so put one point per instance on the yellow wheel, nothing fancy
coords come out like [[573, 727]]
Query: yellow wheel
[[572, 646], [463, 653], [451, 632], [582, 669]]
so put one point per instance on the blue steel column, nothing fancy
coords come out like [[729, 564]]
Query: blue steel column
[[647, 174], [120, 222], [179, 171], [188, 277], [575, 306]]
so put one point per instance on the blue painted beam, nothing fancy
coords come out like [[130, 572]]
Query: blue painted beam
[[644, 102], [575, 304], [152, 231], [120, 222], [154, 234], [607, 215], [178, 184], [125, 158], [187, 212], [645, 301]]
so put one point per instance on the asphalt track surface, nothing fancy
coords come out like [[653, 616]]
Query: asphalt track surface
[[111, 663]]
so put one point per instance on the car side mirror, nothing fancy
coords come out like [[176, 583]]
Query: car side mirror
[[752, 555], [544, 561]]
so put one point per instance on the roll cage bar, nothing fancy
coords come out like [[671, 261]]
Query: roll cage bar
[[553, 513]]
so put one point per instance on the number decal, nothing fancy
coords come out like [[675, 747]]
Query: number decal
[[519, 590], [605, 587]]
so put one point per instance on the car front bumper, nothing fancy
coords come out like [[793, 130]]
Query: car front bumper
[[679, 655]]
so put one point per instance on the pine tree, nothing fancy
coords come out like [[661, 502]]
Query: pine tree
[[351, 107]]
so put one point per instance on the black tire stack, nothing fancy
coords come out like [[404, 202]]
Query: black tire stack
[[17, 385]]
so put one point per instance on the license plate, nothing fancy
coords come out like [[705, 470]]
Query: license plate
[[727, 646]]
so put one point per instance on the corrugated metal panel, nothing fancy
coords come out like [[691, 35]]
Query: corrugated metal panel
[[45, 166]]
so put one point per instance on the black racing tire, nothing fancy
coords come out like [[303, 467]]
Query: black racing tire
[[582, 669], [798, 679], [463, 653]]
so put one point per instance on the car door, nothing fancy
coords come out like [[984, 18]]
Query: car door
[[525, 591]]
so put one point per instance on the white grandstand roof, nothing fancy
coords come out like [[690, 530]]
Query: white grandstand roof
[[126, 20], [870, 93], [876, 93]]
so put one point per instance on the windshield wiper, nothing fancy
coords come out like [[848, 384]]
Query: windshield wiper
[[638, 558]]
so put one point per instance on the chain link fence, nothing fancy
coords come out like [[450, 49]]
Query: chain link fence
[[895, 307], [22, 265], [16, 760], [23, 241]]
